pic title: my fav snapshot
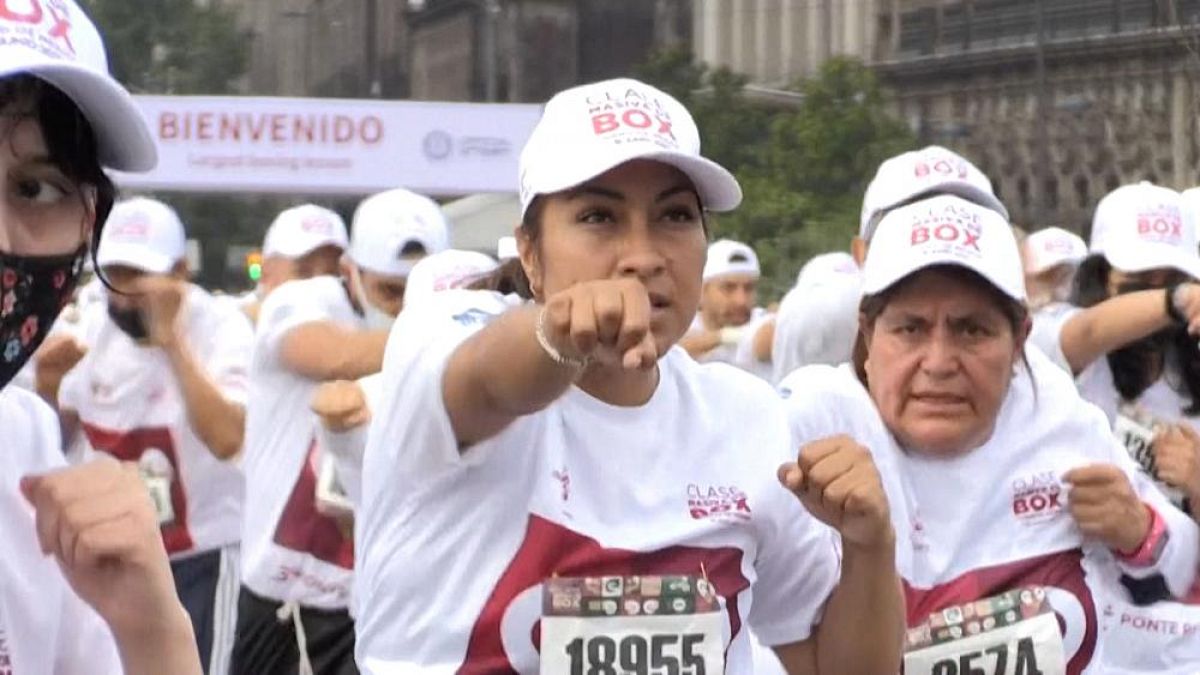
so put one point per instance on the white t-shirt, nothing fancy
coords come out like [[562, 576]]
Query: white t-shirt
[[347, 447], [131, 406], [290, 552], [996, 519], [1046, 335], [45, 629], [454, 548], [817, 323], [740, 353]]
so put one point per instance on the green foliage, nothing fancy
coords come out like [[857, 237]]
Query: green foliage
[[803, 168], [181, 47], [172, 46]]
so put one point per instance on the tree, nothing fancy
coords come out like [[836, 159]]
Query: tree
[[185, 47], [172, 46], [803, 169]]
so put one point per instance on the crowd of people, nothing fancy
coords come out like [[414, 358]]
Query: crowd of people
[[954, 448]]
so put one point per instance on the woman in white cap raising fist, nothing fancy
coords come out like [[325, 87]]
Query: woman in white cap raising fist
[[87, 535], [552, 486], [1011, 498]]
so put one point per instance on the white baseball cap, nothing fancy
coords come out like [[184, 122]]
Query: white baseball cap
[[944, 230], [506, 248], [726, 256], [143, 234], [933, 169], [1191, 206], [827, 266], [1053, 246], [385, 223], [588, 130], [57, 43], [1141, 227], [444, 271], [303, 229]]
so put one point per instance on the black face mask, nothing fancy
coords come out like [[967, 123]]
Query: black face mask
[[129, 321], [33, 290]]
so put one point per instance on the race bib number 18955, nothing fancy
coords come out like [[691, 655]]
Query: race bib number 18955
[[631, 626]]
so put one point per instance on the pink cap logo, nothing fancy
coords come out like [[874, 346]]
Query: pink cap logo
[[949, 228], [1163, 225], [135, 229], [631, 111], [1061, 246], [316, 225], [945, 167], [35, 13]]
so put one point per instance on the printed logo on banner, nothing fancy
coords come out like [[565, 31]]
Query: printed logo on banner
[[1037, 497], [949, 228], [631, 116], [717, 503], [506, 636], [1163, 225], [42, 25], [437, 144]]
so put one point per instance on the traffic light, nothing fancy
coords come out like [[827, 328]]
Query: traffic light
[[254, 266]]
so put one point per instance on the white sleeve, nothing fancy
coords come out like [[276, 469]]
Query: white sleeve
[[86, 645], [1046, 334], [410, 429], [73, 388], [798, 568], [229, 344], [745, 347], [289, 306], [346, 448]]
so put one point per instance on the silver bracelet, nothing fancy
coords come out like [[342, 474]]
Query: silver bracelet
[[556, 356]]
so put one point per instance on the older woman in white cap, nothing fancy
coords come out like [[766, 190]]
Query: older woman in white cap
[[552, 486], [85, 586], [1011, 503]]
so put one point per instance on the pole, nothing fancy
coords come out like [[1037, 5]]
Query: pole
[[1042, 126], [491, 11], [371, 46]]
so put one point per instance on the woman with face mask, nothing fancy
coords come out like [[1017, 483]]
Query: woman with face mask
[[1011, 499], [553, 486], [85, 586], [1133, 347]]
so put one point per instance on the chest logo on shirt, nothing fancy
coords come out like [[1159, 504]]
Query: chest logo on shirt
[[1037, 497], [506, 637], [724, 502]]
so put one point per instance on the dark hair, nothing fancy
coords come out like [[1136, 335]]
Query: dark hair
[[873, 305], [1138, 365], [70, 140]]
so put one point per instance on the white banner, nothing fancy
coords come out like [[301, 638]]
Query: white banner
[[332, 146]]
